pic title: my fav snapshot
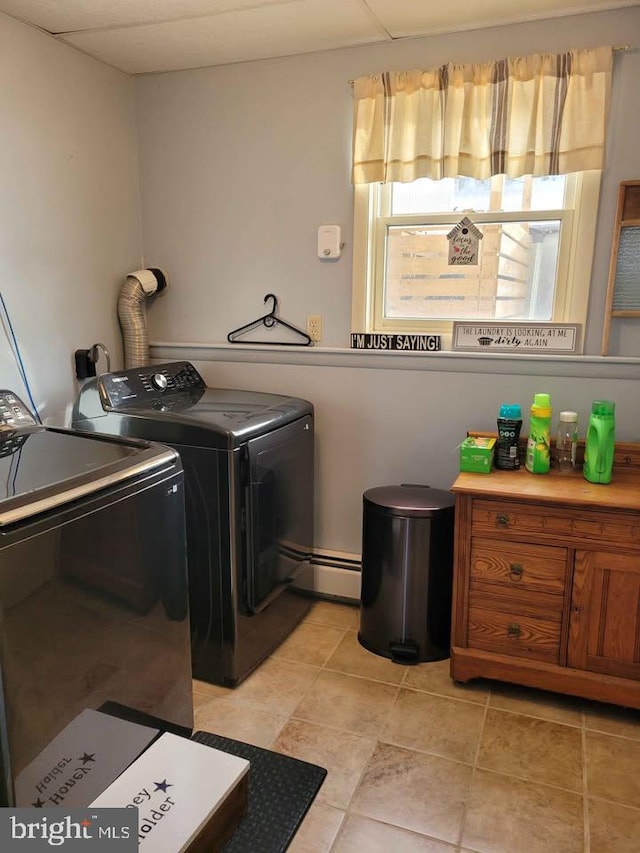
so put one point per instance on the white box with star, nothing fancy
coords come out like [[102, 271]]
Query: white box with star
[[86, 756], [189, 796]]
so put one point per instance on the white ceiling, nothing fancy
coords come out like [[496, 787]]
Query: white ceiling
[[141, 36]]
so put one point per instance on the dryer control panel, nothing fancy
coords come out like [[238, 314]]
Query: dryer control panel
[[147, 386], [13, 416], [13, 412]]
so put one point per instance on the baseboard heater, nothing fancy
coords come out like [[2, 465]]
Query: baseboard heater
[[332, 574]]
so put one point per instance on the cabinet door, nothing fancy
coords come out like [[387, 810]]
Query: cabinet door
[[604, 630]]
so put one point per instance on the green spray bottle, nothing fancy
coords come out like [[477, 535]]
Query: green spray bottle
[[538, 457], [600, 441]]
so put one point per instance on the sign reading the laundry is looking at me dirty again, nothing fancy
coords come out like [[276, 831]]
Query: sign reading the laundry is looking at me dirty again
[[493, 336]]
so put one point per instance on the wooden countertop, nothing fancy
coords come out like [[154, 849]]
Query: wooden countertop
[[623, 492]]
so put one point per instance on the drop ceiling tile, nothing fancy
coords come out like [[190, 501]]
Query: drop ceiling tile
[[283, 29], [403, 18], [73, 15]]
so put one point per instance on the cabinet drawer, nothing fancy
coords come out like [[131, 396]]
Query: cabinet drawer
[[519, 566], [541, 521], [508, 634], [536, 603]]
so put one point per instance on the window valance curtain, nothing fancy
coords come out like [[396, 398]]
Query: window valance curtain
[[536, 115]]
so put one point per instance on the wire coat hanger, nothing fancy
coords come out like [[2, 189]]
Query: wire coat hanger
[[269, 320]]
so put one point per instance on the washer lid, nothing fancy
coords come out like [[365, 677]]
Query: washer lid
[[170, 403], [215, 417], [409, 499], [42, 468]]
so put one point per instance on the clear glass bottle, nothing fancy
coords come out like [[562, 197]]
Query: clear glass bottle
[[566, 441]]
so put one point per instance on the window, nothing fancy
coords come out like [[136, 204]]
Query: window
[[534, 260]]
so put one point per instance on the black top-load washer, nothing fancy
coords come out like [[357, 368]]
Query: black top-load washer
[[93, 605], [248, 459]]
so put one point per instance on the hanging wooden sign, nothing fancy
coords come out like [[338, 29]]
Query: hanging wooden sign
[[464, 240]]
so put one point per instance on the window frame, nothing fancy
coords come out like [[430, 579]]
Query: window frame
[[372, 204]]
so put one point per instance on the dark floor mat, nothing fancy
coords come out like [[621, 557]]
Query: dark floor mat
[[281, 789]]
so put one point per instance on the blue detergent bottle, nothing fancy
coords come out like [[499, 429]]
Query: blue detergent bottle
[[509, 425]]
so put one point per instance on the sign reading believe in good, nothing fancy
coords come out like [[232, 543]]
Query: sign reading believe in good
[[409, 343], [464, 240], [516, 337]]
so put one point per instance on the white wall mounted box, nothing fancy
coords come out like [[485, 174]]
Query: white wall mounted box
[[190, 797], [329, 242]]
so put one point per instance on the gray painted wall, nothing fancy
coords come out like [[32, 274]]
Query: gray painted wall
[[69, 207], [241, 164], [398, 423], [238, 170]]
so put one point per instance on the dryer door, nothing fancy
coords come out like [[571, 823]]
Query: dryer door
[[279, 510]]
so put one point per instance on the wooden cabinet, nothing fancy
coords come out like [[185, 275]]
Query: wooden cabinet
[[604, 622], [547, 581]]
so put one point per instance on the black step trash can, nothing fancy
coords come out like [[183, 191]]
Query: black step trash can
[[407, 570]]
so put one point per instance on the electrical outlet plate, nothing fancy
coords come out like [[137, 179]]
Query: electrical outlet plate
[[314, 327]]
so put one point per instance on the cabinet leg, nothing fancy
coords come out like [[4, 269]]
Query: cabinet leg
[[459, 673]]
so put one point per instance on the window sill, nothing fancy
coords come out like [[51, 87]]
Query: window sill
[[512, 364]]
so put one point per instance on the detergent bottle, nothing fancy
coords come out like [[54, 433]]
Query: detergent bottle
[[599, 444], [538, 460], [509, 425]]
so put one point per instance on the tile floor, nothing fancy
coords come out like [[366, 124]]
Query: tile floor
[[417, 763]]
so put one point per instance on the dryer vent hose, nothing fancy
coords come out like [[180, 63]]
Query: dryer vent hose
[[137, 288]]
